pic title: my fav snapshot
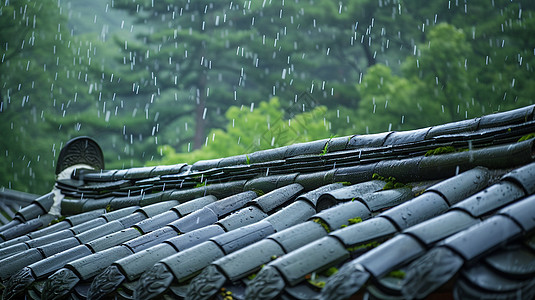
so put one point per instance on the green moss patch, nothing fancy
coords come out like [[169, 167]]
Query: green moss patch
[[441, 150], [225, 294], [59, 219], [397, 274], [325, 149], [318, 280], [330, 271], [259, 192], [200, 184], [369, 245], [323, 224], [352, 221], [391, 182], [526, 137]]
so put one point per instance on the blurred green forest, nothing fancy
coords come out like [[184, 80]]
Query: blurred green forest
[[161, 81]]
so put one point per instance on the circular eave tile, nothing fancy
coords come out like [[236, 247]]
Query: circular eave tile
[[515, 261], [485, 278]]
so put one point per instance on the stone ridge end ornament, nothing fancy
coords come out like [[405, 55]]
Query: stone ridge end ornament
[[80, 150]]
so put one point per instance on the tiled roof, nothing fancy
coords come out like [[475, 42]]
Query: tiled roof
[[444, 211], [12, 201]]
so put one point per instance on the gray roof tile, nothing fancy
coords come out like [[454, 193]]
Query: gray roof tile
[[202, 217], [485, 236], [321, 252], [84, 217], [299, 235], [87, 225], [522, 213], [458, 188], [417, 210], [515, 116], [100, 231], [249, 259], [157, 221], [56, 236], [406, 137], [193, 205], [147, 240], [490, 199], [523, 176], [13, 249], [453, 128], [14, 263], [315, 147], [192, 238], [113, 239], [340, 214], [348, 193], [30, 212], [26, 227], [61, 225], [242, 217], [232, 203], [188, 263], [132, 266], [278, 197], [313, 196], [393, 254], [89, 266], [293, 214], [50, 264], [243, 236], [368, 141], [431, 231], [375, 229], [382, 200]]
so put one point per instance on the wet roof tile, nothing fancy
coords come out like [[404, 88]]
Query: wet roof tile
[[452, 213]]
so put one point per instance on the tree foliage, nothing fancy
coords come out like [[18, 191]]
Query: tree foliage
[[39, 82], [251, 129]]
